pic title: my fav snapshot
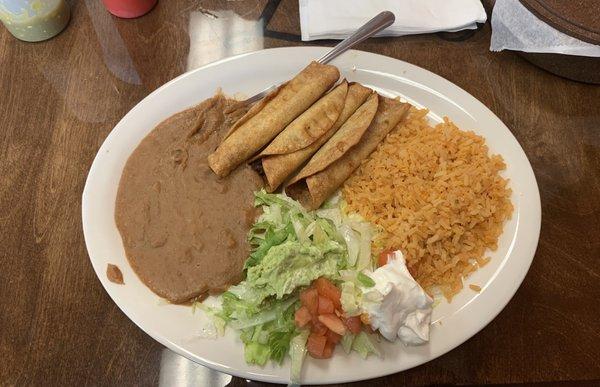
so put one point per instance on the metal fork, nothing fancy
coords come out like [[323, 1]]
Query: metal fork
[[370, 28]]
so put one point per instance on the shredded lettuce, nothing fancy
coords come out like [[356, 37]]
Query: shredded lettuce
[[354, 298], [293, 264], [256, 353], [364, 345], [351, 297], [361, 343], [265, 315], [356, 232], [215, 326], [365, 280], [279, 344], [297, 353], [271, 339], [346, 342], [219, 325], [290, 248]]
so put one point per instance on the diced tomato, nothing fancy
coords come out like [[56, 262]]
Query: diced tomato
[[316, 345], [318, 327], [333, 337], [333, 322], [302, 316], [310, 299], [353, 324], [325, 305], [327, 351], [384, 257], [326, 289]]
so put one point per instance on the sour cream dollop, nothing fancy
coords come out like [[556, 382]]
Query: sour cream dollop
[[397, 305]]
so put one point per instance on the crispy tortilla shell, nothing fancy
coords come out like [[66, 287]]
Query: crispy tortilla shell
[[345, 138], [311, 125], [277, 168], [261, 124], [313, 190]]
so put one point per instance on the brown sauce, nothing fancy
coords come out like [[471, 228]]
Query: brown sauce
[[184, 229]]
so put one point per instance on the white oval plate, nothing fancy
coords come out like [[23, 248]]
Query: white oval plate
[[178, 329]]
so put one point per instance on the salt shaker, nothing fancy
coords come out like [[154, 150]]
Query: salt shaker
[[34, 20]]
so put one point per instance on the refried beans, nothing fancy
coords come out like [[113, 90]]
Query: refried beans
[[184, 229]]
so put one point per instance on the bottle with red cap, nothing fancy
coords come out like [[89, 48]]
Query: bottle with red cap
[[129, 8]]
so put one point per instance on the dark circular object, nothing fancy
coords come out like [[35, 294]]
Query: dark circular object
[[578, 68], [577, 18]]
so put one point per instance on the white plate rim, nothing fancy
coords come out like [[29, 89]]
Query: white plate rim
[[528, 243]]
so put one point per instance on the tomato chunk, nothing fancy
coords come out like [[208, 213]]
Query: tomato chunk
[[302, 316], [333, 337], [333, 322], [317, 327], [353, 324], [325, 305], [326, 289], [316, 345], [310, 299], [384, 257], [328, 350]]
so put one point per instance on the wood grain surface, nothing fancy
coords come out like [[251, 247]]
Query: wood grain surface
[[59, 99]]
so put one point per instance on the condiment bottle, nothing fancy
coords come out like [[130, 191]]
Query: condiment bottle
[[129, 8], [34, 20]]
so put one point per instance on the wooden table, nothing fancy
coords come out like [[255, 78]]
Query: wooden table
[[59, 100]]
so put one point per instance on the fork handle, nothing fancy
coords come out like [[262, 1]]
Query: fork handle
[[373, 26]]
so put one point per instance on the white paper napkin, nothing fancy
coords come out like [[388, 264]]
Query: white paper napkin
[[515, 28], [336, 19]]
